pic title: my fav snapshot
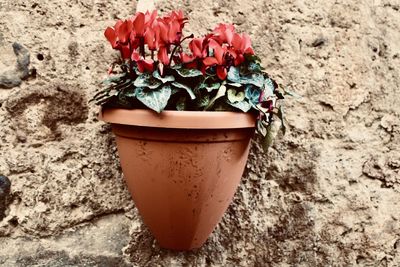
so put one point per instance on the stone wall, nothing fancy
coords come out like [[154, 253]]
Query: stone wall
[[328, 193]]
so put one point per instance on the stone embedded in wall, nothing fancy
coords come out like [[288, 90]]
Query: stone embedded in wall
[[5, 186], [12, 77]]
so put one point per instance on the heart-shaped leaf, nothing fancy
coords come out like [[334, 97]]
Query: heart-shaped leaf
[[256, 79], [268, 88], [156, 100], [252, 94], [234, 75], [235, 96], [243, 105], [147, 80]]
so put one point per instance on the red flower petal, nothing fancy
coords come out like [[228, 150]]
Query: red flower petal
[[239, 60], [174, 29], [218, 51], [146, 65], [135, 56], [222, 72], [149, 39], [163, 32], [246, 43], [237, 41], [150, 17], [111, 36], [209, 61], [185, 58], [124, 31], [138, 24], [196, 47], [125, 52], [163, 55]]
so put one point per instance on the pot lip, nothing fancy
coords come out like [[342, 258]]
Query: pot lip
[[178, 119]]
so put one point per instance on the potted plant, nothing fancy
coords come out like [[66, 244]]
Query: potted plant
[[184, 110]]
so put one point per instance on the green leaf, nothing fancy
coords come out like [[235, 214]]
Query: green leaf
[[221, 92], [256, 79], [165, 79], [187, 73], [130, 92], [156, 100], [269, 88], [113, 79], [250, 57], [203, 101], [235, 96], [243, 105], [181, 104], [252, 94], [234, 75], [238, 85], [147, 80], [187, 88], [254, 67], [210, 87]]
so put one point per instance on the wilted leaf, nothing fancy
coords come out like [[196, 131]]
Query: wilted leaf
[[272, 131], [293, 94], [281, 116]]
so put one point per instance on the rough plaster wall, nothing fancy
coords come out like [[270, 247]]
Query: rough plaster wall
[[328, 194]]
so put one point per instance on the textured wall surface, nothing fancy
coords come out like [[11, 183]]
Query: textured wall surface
[[328, 194]]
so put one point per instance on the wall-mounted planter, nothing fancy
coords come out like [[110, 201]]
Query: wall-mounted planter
[[182, 168]]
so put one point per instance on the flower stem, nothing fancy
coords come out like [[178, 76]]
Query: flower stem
[[177, 46]]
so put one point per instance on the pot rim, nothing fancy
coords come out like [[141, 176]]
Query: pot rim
[[178, 119]]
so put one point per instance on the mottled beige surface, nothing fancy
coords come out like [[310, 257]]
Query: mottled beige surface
[[328, 194]]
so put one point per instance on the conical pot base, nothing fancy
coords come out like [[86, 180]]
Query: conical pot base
[[182, 180]]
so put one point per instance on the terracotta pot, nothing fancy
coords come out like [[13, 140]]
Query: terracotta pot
[[182, 168]]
